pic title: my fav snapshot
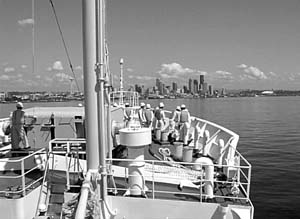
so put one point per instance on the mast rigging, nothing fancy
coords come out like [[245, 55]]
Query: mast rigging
[[64, 44]]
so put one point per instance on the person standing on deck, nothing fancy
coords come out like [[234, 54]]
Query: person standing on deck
[[141, 114], [185, 124], [160, 116], [149, 116], [127, 113], [18, 133], [176, 116]]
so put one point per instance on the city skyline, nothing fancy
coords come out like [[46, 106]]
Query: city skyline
[[236, 44]]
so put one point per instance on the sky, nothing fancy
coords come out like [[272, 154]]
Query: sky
[[236, 44]]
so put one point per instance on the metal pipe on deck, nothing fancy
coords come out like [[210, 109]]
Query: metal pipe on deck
[[84, 193]]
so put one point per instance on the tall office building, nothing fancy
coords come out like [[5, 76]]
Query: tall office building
[[190, 85], [159, 85], [204, 89], [195, 87], [174, 87], [201, 80], [185, 89]]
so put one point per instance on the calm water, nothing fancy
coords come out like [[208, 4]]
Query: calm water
[[269, 129]]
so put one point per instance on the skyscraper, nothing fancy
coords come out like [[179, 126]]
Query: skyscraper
[[174, 87], [159, 85], [190, 85], [195, 87], [201, 80]]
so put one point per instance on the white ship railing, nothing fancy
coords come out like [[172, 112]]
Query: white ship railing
[[215, 133], [160, 172], [157, 174], [73, 150], [119, 98], [21, 167]]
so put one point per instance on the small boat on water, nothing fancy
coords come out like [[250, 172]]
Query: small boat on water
[[87, 162]]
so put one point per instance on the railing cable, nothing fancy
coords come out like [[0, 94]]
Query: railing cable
[[64, 43]]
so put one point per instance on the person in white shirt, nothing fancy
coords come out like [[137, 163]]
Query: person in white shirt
[[149, 116], [185, 124], [141, 114], [18, 133]]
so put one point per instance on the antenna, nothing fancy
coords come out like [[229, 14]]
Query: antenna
[[33, 24], [121, 80]]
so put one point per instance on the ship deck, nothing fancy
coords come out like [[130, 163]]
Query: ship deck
[[222, 190], [13, 180]]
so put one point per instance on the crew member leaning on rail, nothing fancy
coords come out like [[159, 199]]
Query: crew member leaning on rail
[[127, 113], [18, 133], [141, 114], [185, 124], [149, 116], [176, 116], [160, 116]]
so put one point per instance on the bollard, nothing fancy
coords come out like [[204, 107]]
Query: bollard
[[178, 150], [187, 154]]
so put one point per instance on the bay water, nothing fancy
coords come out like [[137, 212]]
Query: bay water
[[269, 130]]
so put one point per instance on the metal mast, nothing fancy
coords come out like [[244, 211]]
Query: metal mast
[[33, 46], [89, 60]]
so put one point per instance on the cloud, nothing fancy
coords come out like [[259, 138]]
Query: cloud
[[4, 78], [141, 77], [272, 74], [24, 66], [291, 78], [62, 77], [255, 73], [25, 22], [175, 70], [129, 70], [224, 73], [242, 66], [78, 67], [252, 72], [9, 69], [57, 65]]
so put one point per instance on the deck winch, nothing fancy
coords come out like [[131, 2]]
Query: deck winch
[[135, 138]]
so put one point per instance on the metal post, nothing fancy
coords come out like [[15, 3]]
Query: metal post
[[23, 178], [153, 196], [99, 69], [67, 166]]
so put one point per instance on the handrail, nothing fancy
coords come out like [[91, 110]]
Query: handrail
[[43, 182], [24, 186], [132, 98], [152, 176]]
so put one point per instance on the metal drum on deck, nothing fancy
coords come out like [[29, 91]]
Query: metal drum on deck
[[178, 150], [135, 137], [187, 154]]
